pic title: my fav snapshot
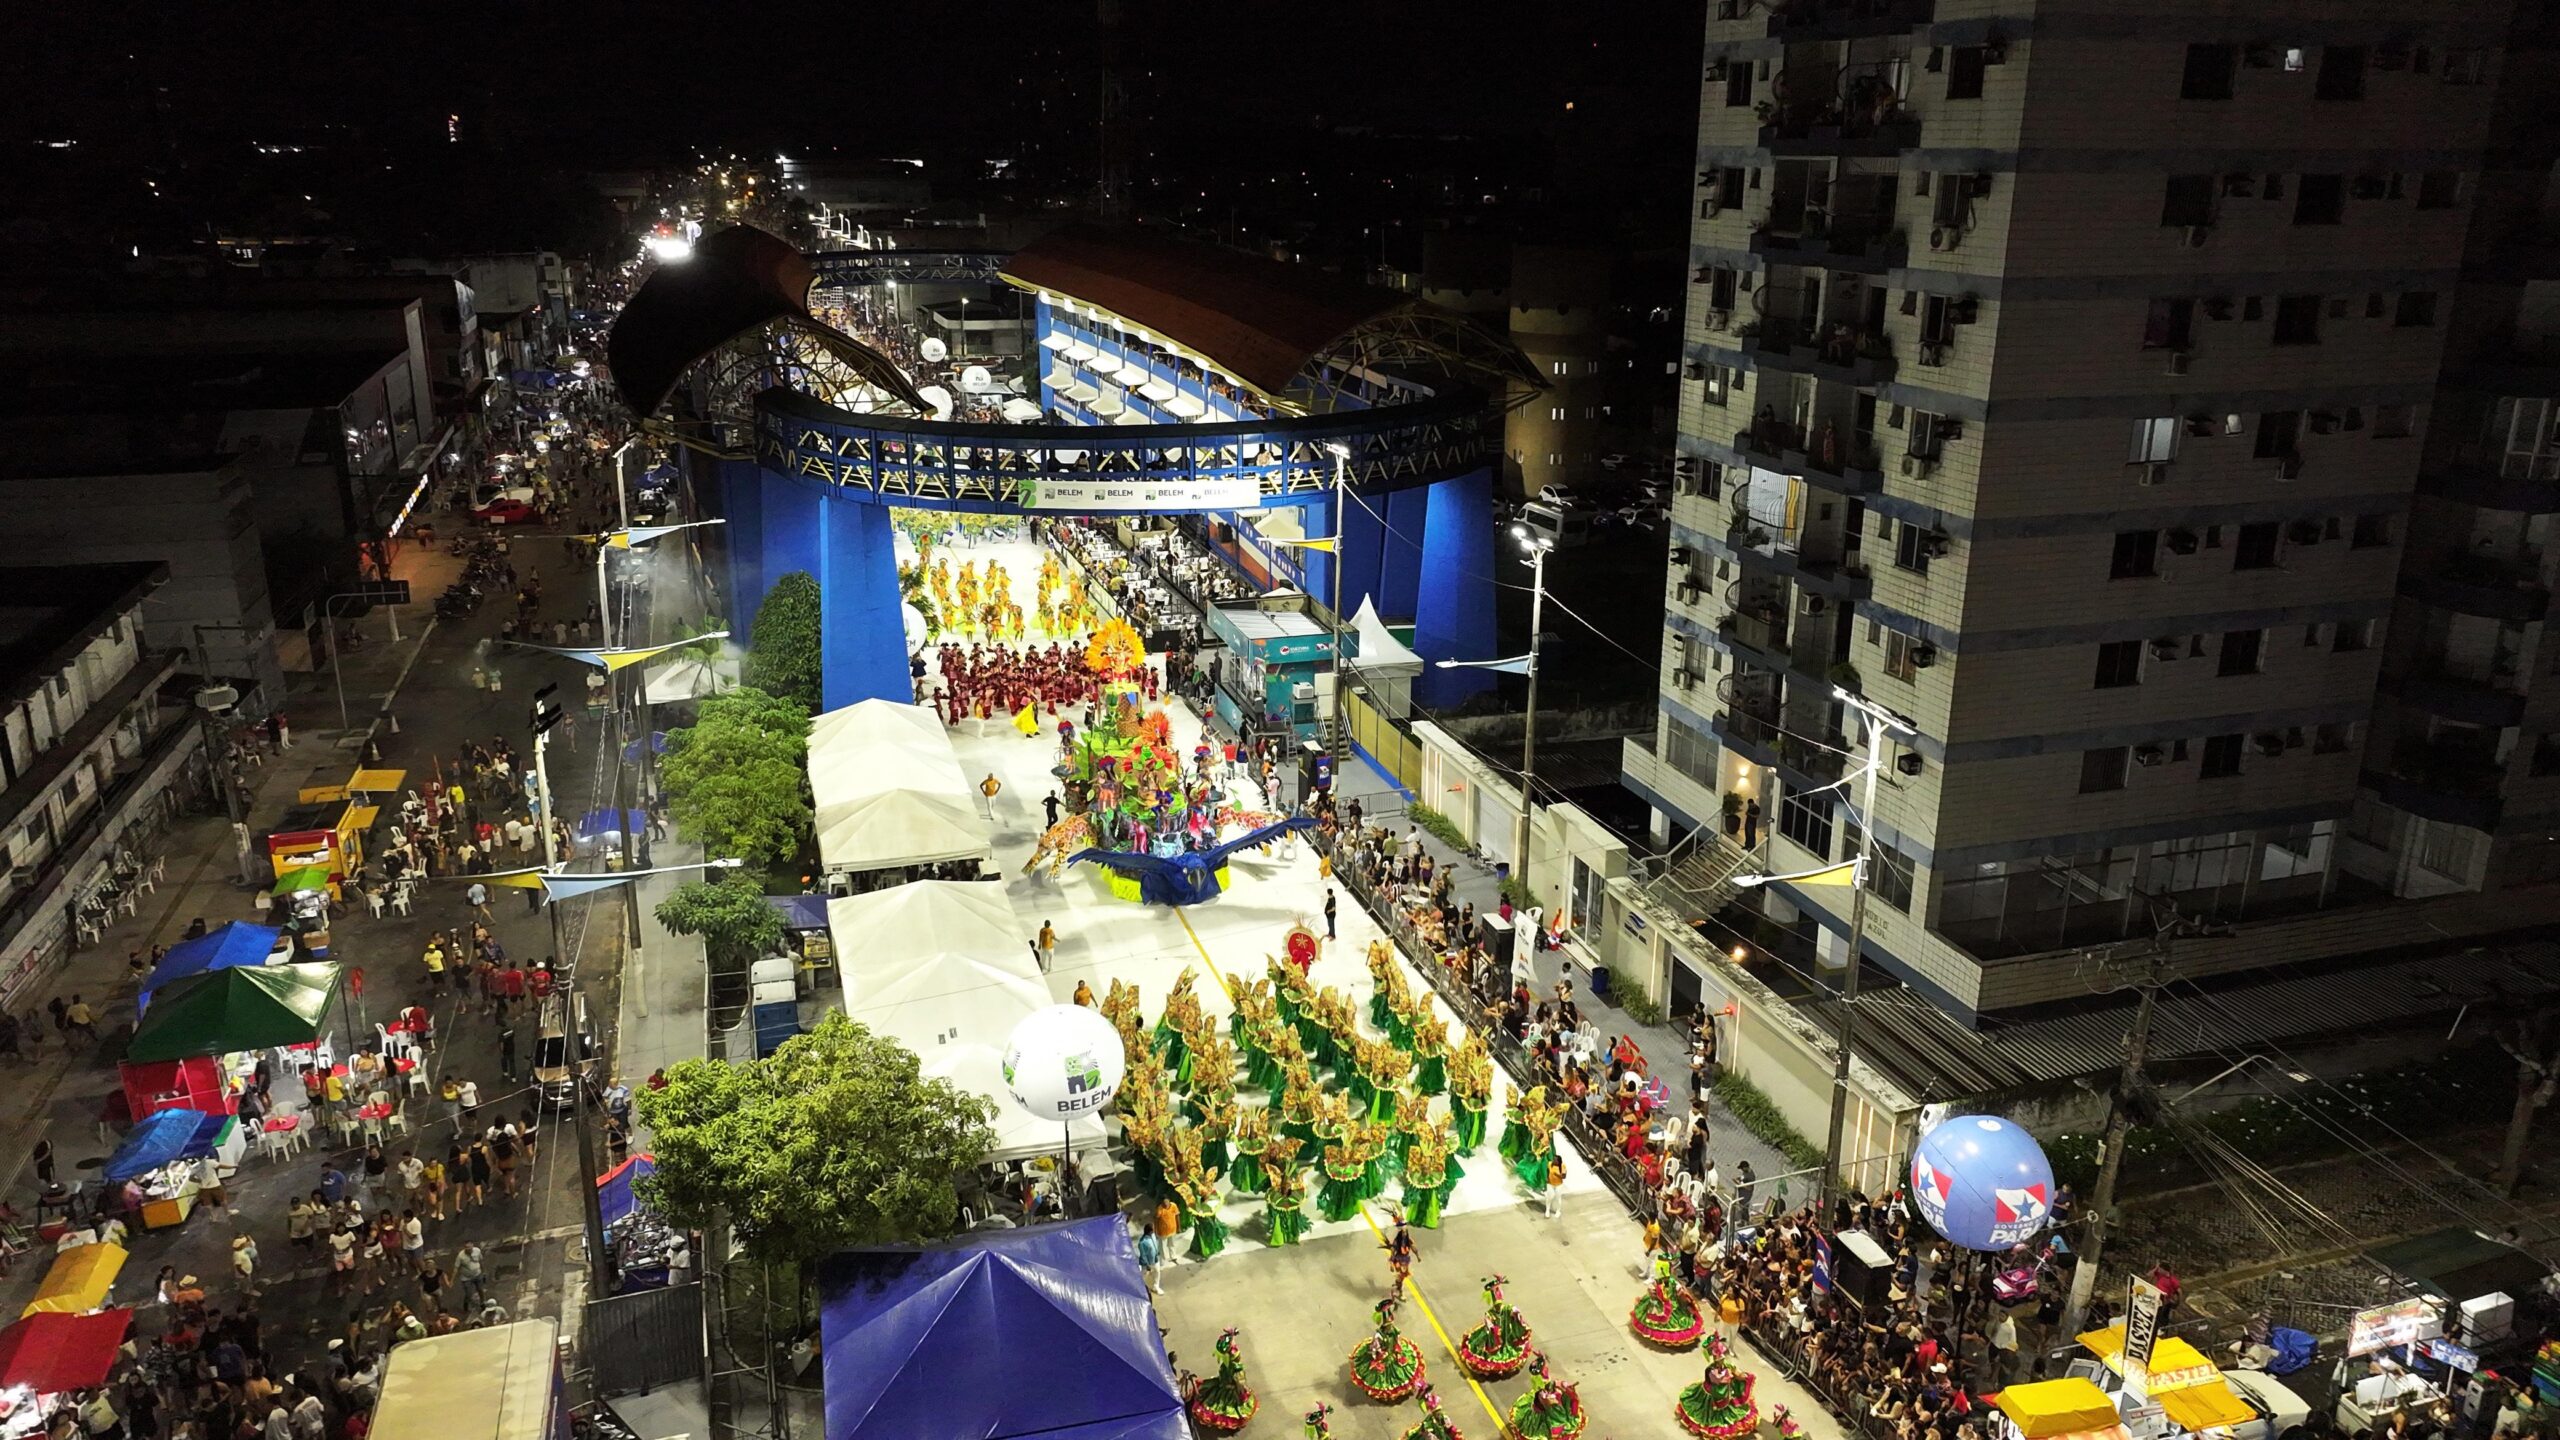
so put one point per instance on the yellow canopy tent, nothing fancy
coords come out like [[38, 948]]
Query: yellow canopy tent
[[376, 782], [2206, 1407], [2175, 1364], [2049, 1408], [78, 1282]]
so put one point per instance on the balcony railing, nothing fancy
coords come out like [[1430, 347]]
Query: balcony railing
[[1849, 464], [1850, 355]]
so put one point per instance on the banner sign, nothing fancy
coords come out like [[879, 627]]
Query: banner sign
[[1236, 493], [2141, 1333], [2445, 1352], [2385, 1327]]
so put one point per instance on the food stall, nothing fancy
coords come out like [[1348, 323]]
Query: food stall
[[2175, 1364], [47, 1358], [314, 838], [159, 1154], [2185, 1393], [2052, 1409], [78, 1282], [805, 935], [200, 1083], [2392, 1383], [225, 1011], [224, 947], [325, 786], [644, 1246]]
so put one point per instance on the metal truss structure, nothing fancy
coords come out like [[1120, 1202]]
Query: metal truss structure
[[953, 465], [854, 269], [1410, 341]]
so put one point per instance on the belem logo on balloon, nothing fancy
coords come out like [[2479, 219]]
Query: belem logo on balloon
[[1982, 1182], [1063, 1062]]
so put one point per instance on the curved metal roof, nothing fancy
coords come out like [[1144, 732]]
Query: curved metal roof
[[1260, 320], [737, 281]]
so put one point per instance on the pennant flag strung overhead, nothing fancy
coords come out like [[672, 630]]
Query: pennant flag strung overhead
[[1325, 544], [638, 535], [569, 885], [621, 658], [1843, 874]]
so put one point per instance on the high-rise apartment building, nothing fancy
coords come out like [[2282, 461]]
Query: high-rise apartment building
[[2060, 375]]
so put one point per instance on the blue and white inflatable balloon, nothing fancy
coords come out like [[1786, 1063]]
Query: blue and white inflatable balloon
[[1982, 1182]]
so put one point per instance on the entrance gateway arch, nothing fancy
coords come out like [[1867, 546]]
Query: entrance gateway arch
[[1173, 379]]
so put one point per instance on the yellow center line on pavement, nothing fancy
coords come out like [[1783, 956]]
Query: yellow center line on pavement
[[1412, 1287]]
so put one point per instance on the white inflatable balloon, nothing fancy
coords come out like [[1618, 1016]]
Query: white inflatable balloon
[[1063, 1062], [933, 350]]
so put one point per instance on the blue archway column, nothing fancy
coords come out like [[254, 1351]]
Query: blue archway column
[[1453, 609], [863, 625], [742, 540], [1400, 557], [794, 524], [1362, 545]]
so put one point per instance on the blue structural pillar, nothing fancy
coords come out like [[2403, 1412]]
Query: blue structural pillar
[[1453, 608], [742, 539], [862, 625], [1363, 541], [794, 520], [1400, 557]]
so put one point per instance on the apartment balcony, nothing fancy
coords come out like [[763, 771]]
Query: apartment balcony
[[1849, 469], [1824, 130], [2454, 783], [2461, 698], [1859, 359], [1838, 19], [2469, 584], [1867, 245], [2524, 488]]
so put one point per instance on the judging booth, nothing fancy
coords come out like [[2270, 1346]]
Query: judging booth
[[78, 1282]]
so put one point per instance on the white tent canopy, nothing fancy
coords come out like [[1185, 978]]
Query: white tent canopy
[[1384, 664], [938, 966], [685, 680], [899, 827]]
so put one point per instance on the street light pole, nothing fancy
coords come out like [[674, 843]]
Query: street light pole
[[1539, 548], [599, 1262], [1880, 724], [1335, 741]]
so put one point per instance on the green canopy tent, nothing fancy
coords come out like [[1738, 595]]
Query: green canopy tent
[[246, 1008], [305, 877]]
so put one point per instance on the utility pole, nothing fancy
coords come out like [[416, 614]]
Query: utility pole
[[2120, 1107], [1880, 725], [1539, 547], [547, 713]]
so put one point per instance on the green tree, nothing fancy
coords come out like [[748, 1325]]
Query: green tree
[[835, 1140], [784, 656], [729, 913], [735, 779]]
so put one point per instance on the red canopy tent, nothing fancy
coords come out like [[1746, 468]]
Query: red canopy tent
[[53, 1354], [194, 1083]]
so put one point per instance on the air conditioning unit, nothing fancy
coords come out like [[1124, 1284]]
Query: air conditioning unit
[[2154, 473], [2197, 235], [1922, 656], [1685, 465], [1933, 353], [1936, 545], [1680, 554], [1945, 237], [1695, 370], [2167, 650], [2149, 755], [2180, 361], [1689, 594], [2268, 743], [1684, 679], [1908, 762], [1719, 319], [1728, 9], [1716, 69], [1814, 604], [2181, 541], [1919, 464], [1964, 310], [2302, 532]]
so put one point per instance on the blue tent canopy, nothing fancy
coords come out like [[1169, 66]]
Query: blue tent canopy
[[163, 1136], [614, 1197], [609, 821], [221, 948], [801, 912], [1043, 1331]]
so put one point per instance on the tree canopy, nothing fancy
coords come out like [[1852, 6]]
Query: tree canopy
[[728, 912], [835, 1140], [783, 653], [735, 777]]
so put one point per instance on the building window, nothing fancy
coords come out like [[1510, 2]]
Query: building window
[[2137, 555], [1806, 819], [2171, 325], [1911, 548], [2119, 664], [2393, 422], [1965, 64], [1719, 385], [2297, 320], [1897, 656], [2210, 69], [1927, 435], [2465, 67], [1737, 83], [2416, 307], [2439, 189], [2154, 440], [2320, 200], [2372, 532], [2102, 770], [2189, 201], [2279, 431], [2221, 757], [2254, 548], [2546, 753], [2242, 652], [2329, 738], [2341, 73], [2353, 635], [1889, 871], [1723, 285], [1555, 412], [1556, 366]]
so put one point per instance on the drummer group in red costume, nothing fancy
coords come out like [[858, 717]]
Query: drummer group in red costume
[[987, 682]]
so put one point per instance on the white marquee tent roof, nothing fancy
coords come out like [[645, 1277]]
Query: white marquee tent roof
[[899, 827]]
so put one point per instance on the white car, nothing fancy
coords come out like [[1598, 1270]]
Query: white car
[[2280, 1411]]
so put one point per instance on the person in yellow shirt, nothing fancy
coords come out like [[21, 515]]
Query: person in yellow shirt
[[435, 962]]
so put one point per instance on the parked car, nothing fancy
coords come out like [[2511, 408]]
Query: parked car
[[564, 1052], [504, 511], [1562, 497]]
